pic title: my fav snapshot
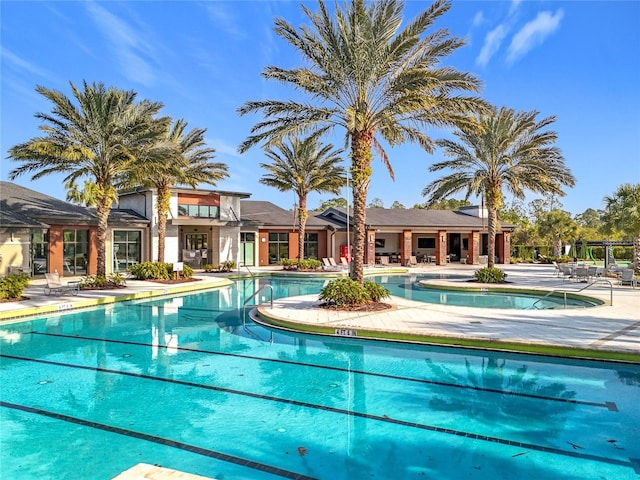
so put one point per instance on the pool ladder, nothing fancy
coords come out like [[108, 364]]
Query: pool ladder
[[564, 292], [255, 295]]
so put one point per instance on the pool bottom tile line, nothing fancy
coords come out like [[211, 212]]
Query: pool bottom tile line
[[162, 441], [609, 405], [381, 418]]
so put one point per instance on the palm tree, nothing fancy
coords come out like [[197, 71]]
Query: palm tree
[[623, 213], [560, 227], [513, 153], [178, 158], [374, 80], [304, 166], [97, 139]]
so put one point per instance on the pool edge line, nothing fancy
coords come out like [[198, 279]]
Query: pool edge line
[[68, 306], [262, 317]]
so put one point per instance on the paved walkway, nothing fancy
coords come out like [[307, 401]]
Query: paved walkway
[[613, 327]]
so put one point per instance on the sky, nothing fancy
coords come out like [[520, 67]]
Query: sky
[[576, 60]]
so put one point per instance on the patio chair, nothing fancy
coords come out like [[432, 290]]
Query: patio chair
[[384, 261], [328, 265], [581, 274], [56, 287], [557, 267], [627, 278], [567, 271], [413, 261]]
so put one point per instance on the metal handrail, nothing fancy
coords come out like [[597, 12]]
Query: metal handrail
[[255, 294], [564, 292]]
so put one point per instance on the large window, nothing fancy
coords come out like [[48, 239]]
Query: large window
[[278, 247], [196, 241], [76, 246], [247, 248], [127, 247], [202, 211], [311, 245]]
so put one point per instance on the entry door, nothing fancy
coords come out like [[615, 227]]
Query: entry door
[[247, 248]]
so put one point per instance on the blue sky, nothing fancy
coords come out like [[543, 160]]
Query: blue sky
[[576, 60]]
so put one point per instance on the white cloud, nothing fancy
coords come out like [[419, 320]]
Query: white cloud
[[533, 34], [478, 19], [22, 64], [224, 18], [514, 6], [492, 43], [129, 48]]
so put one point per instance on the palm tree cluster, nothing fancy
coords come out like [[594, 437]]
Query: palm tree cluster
[[378, 80], [111, 141]]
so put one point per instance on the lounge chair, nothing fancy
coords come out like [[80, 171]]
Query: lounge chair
[[627, 278], [558, 269], [328, 265], [344, 263], [56, 287], [384, 261], [413, 261]]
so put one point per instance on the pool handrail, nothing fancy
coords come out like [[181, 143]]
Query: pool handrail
[[564, 292], [254, 295]]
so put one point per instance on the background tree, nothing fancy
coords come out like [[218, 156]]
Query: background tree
[[560, 228], [513, 152], [374, 80], [96, 138], [623, 213], [376, 203], [337, 202], [397, 204], [304, 166], [179, 157], [444, 204]]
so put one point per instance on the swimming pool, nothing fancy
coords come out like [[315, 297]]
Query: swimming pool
[[408, 286], [181, 382]]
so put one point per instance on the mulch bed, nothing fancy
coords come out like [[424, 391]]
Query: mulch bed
[[9, 300], [174, 281], [369, 307]]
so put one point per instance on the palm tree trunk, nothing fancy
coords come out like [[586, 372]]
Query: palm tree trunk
[[162, 208], [103, 207], [361, 175], [302, 222], [492, 220]]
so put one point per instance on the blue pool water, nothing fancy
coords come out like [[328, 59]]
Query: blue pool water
[[182, 383], [407, 286]]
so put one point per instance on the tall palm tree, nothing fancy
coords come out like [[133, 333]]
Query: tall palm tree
[[95, 138], [178, 158], [623, 213], [374, 80], [513, 152], [304, 166]]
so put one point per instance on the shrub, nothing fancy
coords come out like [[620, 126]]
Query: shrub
[[227, 266], [100, 281], [157, 271], [13, 286], [309, 264], [345, 292], [376, 291], [490, 275], [209, 268]]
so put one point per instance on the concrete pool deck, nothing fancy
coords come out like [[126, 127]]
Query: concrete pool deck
[[613, 327]]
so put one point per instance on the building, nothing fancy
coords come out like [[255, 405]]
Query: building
[[39, 233]]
